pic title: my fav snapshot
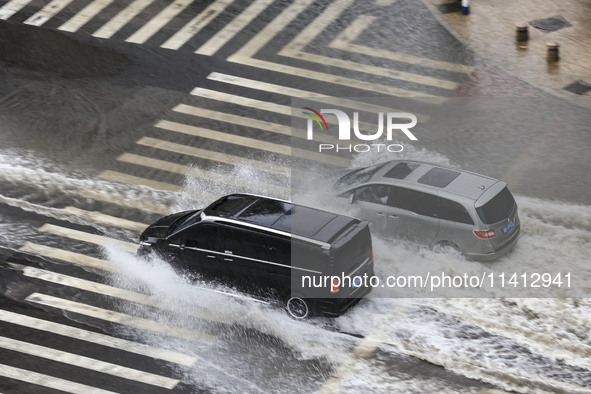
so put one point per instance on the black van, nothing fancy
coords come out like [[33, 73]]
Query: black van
[[270, 248]]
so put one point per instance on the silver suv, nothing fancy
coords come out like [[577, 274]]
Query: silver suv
[[436, 206]]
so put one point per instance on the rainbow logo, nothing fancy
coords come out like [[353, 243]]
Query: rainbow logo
[[315, 115]]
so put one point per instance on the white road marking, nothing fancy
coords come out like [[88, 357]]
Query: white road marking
[[215, 156], [143, 205], [234, 27], [272, 28], [87, 237], [203, 174], [277, 108], [97, 338], [122, 18], [49, 381], [372, 87], [317, 26], [99, 217], [120, 318], [70, 257], [188, 31], [293, 92], [344, 41], [234, 119], [12, 7], [115, 176], [85, 15], [245, 56], [144, 33], [370, 69], [116, 292], [223, 137], [245, 121], [87, 363], [240, 100], [47, 12]]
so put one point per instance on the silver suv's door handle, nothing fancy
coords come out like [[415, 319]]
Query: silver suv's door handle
[[394, 216]]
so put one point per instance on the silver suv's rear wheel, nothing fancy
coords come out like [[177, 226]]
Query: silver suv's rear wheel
[[297, 307]]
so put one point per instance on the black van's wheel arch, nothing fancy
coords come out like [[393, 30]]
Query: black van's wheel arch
[[297, 306]]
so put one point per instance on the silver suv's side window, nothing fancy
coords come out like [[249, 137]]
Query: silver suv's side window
[[377, 194], [454, 211], [413, 200]]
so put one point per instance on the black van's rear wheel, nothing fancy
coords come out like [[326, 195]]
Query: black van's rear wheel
[[297, 307]]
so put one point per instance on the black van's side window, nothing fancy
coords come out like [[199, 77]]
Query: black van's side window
[[278, 250], [413, 200], [245, 243], [202, 236], [451, 210]]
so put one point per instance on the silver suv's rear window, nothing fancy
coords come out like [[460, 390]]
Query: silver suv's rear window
[[498, 208]]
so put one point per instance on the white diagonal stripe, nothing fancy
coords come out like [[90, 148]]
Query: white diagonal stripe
[[49, 381], [85, 15], [122, 18], [293, 92], [229, 179], [144, 33], [96, 338], [12, 7], [215, 156], [47, 12], [99, 217], [66, 255], [223, 137], [120, 177], [233, 28], [116, 292], [194, 26], [87, 237], [87, 363], [119, 318]]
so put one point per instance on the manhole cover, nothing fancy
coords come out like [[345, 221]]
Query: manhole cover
[[550, 24], [578, 87], [448, 8]]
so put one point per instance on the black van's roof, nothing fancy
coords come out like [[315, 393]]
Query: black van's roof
[[281, 215]]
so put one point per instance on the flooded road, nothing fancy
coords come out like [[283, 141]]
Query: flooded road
[[100, 137]]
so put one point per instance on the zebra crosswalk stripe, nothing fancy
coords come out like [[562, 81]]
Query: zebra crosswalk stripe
[[233, 28], [85, 15], [120, 318], [116, 292], [51, 382], [47, 12], [96, 338], [122, 18], [87, 237], [12, 7], [87, 363], [144, 33], [194, 26]]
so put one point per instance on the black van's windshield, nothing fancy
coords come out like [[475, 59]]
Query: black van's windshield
[[498, 208], [183, 224]]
